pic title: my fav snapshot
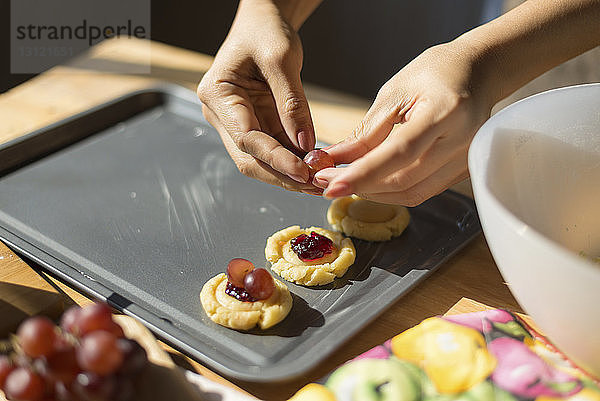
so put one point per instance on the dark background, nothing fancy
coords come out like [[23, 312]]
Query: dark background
[[350, 45]]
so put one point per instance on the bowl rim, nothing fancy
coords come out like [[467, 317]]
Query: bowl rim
[[479, 154]]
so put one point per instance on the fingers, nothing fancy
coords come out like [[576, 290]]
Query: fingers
[[435, 161], [438, 155], [251, 166], [230, 105], [423, 190], [388, 109], [405, 144], [235, 114], [267, 116], [369, 133], [292, 108], [270, 151]]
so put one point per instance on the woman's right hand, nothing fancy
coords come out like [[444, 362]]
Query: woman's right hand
[[253, 96]]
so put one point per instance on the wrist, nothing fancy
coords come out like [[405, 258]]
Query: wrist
[[484, 68], [292, 12]]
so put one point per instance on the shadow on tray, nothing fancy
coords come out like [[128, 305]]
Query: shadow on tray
[[300, 318]]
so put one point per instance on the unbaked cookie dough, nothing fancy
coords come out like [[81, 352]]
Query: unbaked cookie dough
[[227, 311], [322, 271], [363, 219]]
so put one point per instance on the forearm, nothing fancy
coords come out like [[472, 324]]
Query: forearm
[[529, 40], [295, 12]]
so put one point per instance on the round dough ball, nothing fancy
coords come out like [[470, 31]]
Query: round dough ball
[[286, 263], [363, 219], [230, 312]]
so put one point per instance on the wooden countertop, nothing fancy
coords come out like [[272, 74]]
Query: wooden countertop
[[102, 74]]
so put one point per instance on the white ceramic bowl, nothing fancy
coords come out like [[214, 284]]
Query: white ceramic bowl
[[535, 170]]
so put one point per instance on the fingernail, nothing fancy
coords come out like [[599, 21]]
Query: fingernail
[[320, 182], [335, 145], [338, 189], [304, 141], [298, 178]]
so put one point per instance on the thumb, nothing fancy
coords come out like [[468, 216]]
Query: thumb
[[293, 109]]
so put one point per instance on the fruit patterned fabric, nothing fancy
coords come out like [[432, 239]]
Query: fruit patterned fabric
[[490, 355]]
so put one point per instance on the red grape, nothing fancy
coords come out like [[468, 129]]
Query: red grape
[[37, 336], [63, 392], [99, 353], [134, 356], [60, 366], [70, 318], [237, 269], [91, 387], [116, 330], [259, 284], [23, 384], [6, 366], [93, 317], [318, 160]]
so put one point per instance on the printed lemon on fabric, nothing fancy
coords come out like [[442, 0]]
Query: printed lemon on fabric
[[454, 357], [314, 392]]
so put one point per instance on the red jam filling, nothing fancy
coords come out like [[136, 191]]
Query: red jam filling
[[311, 247], [238, 293]]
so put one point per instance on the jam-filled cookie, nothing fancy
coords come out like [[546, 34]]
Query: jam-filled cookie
[[245, 297], [311, 256], [363, 219]]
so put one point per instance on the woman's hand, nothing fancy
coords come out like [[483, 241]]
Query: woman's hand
[[253, 96], [412, 143]]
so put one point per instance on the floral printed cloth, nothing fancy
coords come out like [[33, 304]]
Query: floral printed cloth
[[490, 355]]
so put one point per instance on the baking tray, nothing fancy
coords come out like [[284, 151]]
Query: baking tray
[[137, 202]]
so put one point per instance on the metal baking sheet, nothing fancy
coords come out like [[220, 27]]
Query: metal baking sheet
[[137, 202]]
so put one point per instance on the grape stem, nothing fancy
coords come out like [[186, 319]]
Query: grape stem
[[8, 346]]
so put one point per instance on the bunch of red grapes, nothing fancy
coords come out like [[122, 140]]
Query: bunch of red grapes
[[86, 358]]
